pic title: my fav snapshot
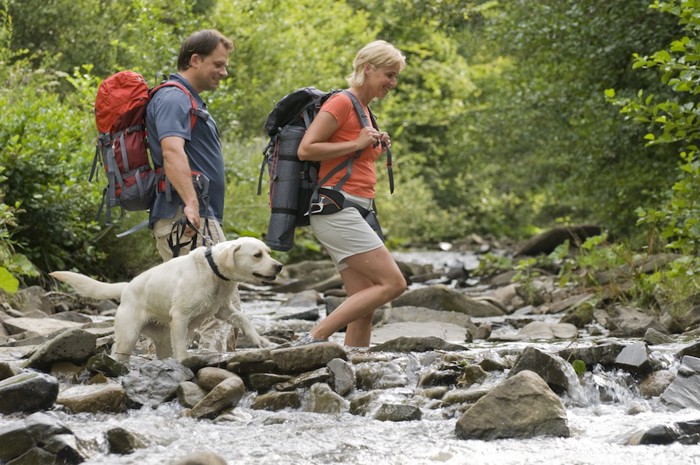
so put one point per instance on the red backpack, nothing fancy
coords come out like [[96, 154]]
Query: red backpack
[[122, 146]]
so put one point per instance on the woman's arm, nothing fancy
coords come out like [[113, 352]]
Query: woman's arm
[[315, 146]]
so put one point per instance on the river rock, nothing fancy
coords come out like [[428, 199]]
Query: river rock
[[263, 382], [306, 358], [322, 399], [693, 350], [543, 331], [685, 432], [155, 382], [439, 377], [555, 371], [123, 442], [604, 354], [209, 377], [633, 322], [94, 398], [27, 392], [442, 298], [635, 359], [397, 412], [38, 439], [656, 383], [522, 406], [416, 344], [41, 326], [387, 375], [225, 395], [276, 401], [683, 391], [189, 393], [343, 376], [103, 363], [386, 333], [75, 345], [305, 380]]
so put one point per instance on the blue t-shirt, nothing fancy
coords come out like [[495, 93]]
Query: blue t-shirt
[[169, 114]]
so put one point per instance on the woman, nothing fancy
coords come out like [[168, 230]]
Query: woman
[[369, 272]]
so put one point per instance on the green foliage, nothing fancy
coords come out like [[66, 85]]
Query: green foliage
[[579, 366], [501, 122], [143, 35], [672, 121], [675, 288], [281, 46], [44, 153], [491, 264], [543, 140]]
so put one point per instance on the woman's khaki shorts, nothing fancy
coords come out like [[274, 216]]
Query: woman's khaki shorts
[[162, 229], [345, 233]]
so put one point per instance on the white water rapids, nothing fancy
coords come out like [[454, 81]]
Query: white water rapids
[[605, 415]]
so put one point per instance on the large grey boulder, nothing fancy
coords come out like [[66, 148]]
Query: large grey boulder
[[75, 345], [155, 382], [520, 407], [683, 391], [27, 392], [555, 371]]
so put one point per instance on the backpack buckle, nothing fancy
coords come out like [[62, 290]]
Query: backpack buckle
[[315, 208]]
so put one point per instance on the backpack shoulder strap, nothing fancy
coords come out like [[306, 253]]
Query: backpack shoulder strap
[[195, 112], [373, 121], [348, 162]]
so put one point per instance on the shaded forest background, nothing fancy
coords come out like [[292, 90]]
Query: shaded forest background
[[511, 116]]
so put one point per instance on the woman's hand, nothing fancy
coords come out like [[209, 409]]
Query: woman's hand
[[368, 136], [385, 140]]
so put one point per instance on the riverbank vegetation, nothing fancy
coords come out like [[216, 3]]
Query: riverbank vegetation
[[511, 117]]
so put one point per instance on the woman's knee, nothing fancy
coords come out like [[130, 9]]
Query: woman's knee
[[396, 285]]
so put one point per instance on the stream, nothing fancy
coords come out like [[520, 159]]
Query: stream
[[606, 412]]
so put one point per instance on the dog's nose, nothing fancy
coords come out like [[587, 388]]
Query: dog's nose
[[278, 268]]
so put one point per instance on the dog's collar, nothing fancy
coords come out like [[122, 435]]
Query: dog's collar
[[213, 266]]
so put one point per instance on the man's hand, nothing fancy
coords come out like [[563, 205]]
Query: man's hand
[[192, 215]]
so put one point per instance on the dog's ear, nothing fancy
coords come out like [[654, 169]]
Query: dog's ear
[[227, 259]]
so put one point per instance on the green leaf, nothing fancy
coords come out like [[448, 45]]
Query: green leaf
[[579, 366], [8, 282]]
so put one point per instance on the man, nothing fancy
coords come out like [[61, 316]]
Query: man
[[192, 160], [181, 150]]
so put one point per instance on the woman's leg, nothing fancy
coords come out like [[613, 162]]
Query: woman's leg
[[372, 279]]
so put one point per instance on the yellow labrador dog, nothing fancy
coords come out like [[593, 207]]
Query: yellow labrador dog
[[168, 301]]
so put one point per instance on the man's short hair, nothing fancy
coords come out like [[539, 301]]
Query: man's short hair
[[202, 43]]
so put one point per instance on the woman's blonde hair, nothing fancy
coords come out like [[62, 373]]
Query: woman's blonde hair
[[378, 54]]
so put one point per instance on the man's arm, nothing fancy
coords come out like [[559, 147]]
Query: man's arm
[[178, 171]]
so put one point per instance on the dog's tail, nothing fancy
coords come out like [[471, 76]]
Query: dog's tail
[[89, 287]]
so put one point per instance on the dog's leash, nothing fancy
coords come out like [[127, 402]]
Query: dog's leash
[[178, 231], [175, 245]]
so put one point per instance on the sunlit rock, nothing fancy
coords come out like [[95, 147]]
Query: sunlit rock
[[522, 406]]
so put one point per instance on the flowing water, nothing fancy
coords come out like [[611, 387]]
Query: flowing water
[[603, 413]]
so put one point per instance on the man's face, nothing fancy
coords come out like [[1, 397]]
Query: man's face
[[209, 70]]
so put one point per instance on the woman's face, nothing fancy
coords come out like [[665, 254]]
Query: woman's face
[[382, 80]]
